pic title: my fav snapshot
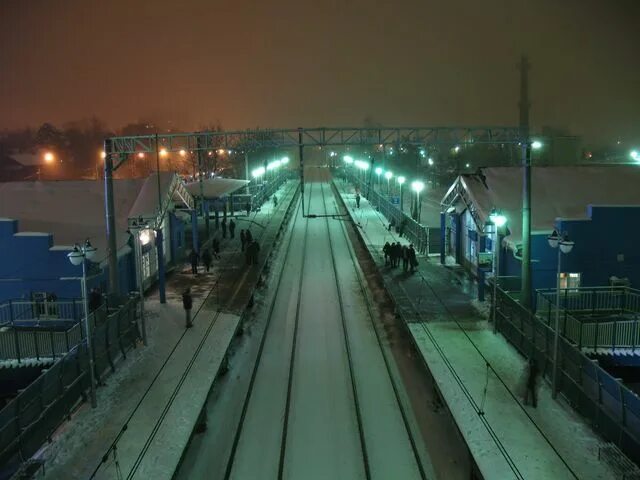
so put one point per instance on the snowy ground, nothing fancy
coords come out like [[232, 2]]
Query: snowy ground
[[323, 439], [79, 444], [457, 355]]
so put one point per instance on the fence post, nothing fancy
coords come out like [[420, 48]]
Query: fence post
[[635, 335], [35, 342], [595, 338], [580, 336], [615, 334], [17, 342], [53, 346], [593, 301]]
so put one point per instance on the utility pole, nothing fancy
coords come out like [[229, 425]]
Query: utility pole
[[525, 147], [112, 249]]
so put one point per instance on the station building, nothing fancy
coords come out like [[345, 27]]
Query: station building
[[598, 207], [41, 221]]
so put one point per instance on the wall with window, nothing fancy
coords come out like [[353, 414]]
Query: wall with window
[[605, 245]]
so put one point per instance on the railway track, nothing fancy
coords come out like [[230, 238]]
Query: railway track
[[281, 396]]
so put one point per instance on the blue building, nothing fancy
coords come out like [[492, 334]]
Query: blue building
[[597, 206], [41, 221]]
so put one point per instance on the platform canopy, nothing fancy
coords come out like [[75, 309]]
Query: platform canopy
[[216, 187]]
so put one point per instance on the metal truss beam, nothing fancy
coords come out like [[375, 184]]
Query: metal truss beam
[[315, 137]]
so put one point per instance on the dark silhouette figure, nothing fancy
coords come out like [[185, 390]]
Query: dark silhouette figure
[[223, 225], [243, 238], [187, 303], [248, 208], [232, 228], [405, 258], [387, 253], [207, 259], [532, 377], [95, 299], [357, 200], [193, 257], [275, 201], [255, 250], [215, 247], [248, 237], [413, 260]]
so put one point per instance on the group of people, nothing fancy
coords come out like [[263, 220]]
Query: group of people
[[207, 256], [232, 228], [394, 252]]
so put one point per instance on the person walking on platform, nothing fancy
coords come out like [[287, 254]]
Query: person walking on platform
[[248, 238], [255, 249], [247, 207], [215, 247], [207, 259], [397, 252], [187, 303], [413, 261], [357, 200], [532, 376], [387, 251], [243, 239], [275, 201], [232, 228], [193, 257], [405, 258], [223, 225]]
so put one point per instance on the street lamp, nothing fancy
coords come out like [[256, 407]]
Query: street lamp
[[388, 176], [635, 155], [417, 187], [564, 245], [258, 173], [78, 256], [536, 144], [498, 220], [348, 159], [378, 171], [142, 237], [49, 157], [401, 181]]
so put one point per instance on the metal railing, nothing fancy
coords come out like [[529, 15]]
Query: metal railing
[[12, 311], [590, 332], [38, 343], [596, 300], [29, 419], [417, 233], [612, 409]]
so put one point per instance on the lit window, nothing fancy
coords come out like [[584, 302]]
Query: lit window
[[569, 281]]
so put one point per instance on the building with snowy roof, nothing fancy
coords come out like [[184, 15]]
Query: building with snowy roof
[[41, 221], [598, 207]]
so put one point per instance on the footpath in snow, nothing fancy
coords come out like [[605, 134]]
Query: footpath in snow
[[159, 390], [506, 438]]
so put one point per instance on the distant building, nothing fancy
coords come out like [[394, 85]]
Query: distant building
[[598, 207]]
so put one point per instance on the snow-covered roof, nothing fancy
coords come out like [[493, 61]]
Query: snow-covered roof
[[146, 205], [556, 192], [70, 210], [216, 187], [28, 159]]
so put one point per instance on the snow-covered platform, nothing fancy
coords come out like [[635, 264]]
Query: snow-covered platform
[[149, 407], [478, 373]]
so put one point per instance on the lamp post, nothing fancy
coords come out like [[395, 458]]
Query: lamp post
[[417, 187], [378, 171], [498, 220], [388, 176], [401, 181], [142, 237], [78, 256], [564, 245]]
